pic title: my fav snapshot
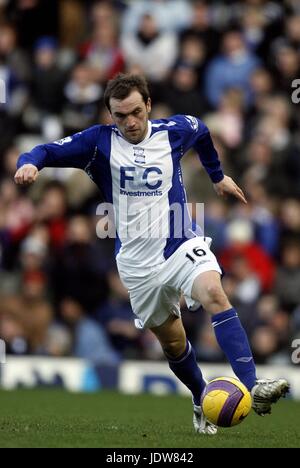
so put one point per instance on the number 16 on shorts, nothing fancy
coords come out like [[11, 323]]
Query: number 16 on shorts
[[195, 254]]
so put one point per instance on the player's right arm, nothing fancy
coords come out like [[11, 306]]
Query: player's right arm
[[26, 175], [76, 151]]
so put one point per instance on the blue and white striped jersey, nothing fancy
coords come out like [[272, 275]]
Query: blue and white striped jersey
[[142, 181]]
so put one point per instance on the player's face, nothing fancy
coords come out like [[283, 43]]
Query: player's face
[[131, 116]]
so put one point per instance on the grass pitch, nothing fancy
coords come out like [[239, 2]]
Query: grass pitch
[[52, 418]]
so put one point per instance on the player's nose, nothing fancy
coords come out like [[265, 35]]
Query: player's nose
[[131, 123]]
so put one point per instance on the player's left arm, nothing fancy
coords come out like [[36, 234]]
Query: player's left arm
[[200, 139], [227, 186]]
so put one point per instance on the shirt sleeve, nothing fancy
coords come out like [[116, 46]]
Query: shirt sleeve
[[75, 151], [197, 136]]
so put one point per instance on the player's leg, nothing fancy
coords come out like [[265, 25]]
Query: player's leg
[[157, 308], [228, 329], [180, 355], [232, 338], [182, 361]]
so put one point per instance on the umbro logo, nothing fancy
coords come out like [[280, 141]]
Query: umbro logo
[[244, 359], [139, 155]]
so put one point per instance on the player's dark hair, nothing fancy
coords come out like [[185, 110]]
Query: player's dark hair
[[122, 85]]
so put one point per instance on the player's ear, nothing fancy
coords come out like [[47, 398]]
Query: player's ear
[[149, 105]]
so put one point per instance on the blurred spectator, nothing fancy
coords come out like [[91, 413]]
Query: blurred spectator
[[263, 166], [80, 267], [38, 316], [17, 215], [272, 11], [262, 85], [264, 343], [232, 69], [14, 71], [33, 18], [240, 244], [215, 223], [34, 278], [47, 77], [201, 27], [104, 12], [286, 65], [47, 90], [102, 53], [248, 285], [12, 55], [12, 326], [290, 218], [193, 52], [73, 23], [51, 211], [253, 26], [58, 341], [182, 94], [288, 276], [170, 15], [11, 156], [227, 122], [293, 30], [160, 111], [90, 340], [24, 324], [272, 130], [150, 49], [259, 211], [117, 317], [83, 97]]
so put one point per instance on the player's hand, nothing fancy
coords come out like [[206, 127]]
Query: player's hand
[[26, 175], [227, 186]]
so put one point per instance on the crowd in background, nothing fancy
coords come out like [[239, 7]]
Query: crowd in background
[[230, 63]]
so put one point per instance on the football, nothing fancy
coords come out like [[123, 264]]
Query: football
[[226, 401]]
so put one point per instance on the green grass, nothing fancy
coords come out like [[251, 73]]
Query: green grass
[[51, 418]]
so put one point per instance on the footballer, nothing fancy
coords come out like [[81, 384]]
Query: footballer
[[136, 163]]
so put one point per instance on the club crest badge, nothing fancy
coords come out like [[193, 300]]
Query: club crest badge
[[139, 155]]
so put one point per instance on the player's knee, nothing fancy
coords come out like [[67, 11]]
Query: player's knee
[[215, 299], [173, 349]]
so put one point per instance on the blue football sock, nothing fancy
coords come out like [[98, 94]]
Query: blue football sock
[[233, 340], [185, 367]]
